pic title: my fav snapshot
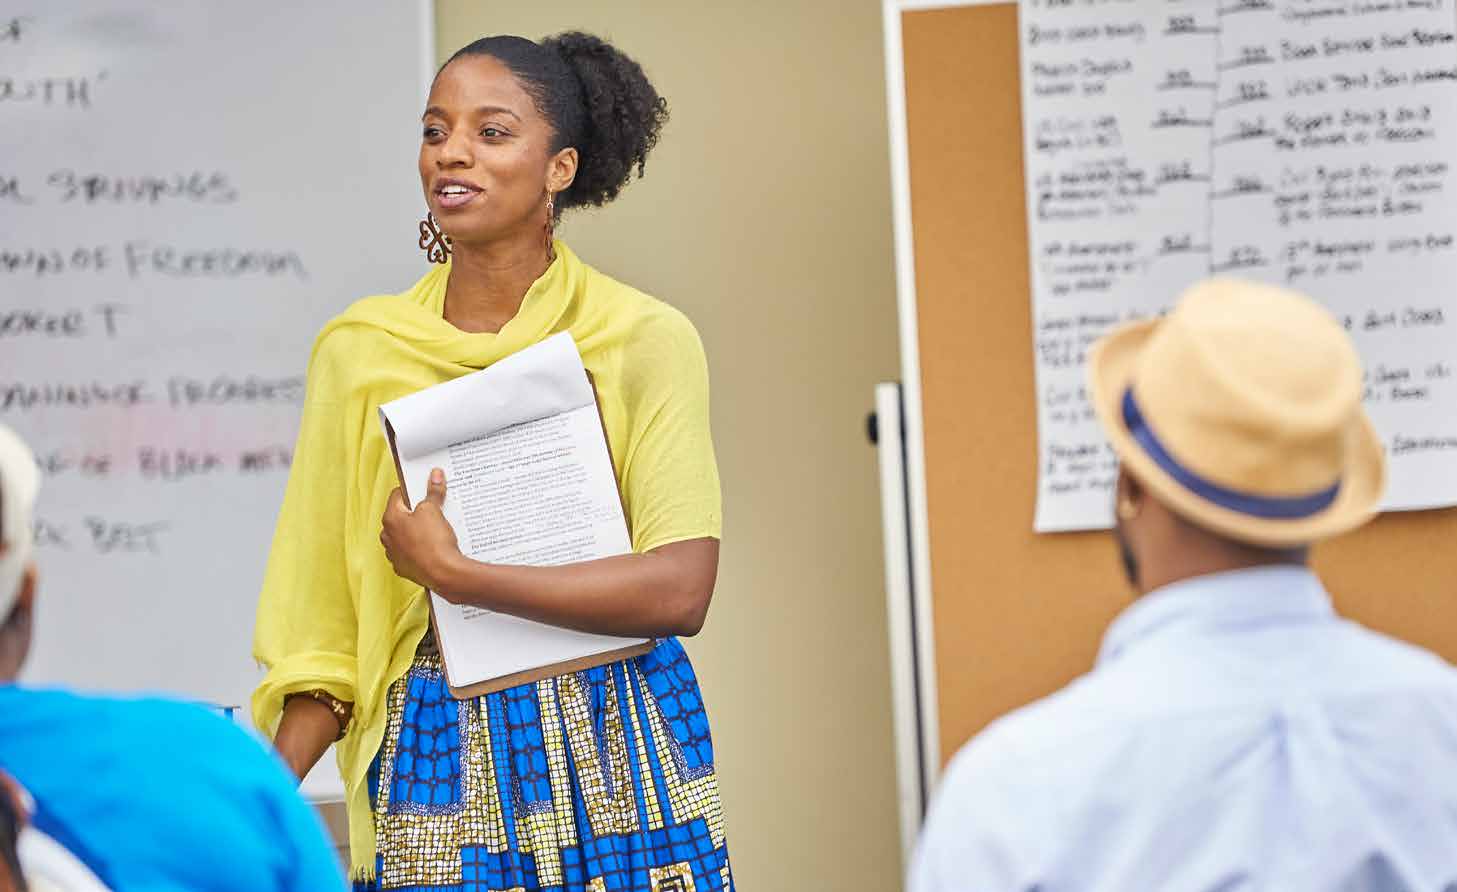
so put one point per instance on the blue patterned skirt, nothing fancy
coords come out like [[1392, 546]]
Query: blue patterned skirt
[[597, 781]]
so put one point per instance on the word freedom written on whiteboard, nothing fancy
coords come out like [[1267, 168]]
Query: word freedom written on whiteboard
[[1307, 143]]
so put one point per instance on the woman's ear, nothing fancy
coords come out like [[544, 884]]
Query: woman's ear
[[561, 170]]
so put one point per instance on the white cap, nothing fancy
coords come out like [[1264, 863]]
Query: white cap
[[19, 484]]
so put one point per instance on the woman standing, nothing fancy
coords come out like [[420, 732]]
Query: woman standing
[[598, 780]]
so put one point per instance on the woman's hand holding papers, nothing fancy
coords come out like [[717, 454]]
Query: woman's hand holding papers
[[662, 592], [420, 544]]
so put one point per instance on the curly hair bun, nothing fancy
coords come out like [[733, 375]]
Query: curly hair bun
[[624, 115]]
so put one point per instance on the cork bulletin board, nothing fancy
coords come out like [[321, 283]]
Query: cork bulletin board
[[1015, 614]]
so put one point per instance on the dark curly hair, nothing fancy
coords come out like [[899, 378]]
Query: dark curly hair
[[597, 99]]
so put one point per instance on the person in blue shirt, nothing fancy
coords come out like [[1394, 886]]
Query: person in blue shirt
[[149, 794], [1236, 734]]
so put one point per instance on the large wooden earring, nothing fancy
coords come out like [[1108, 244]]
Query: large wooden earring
[[434, 242]]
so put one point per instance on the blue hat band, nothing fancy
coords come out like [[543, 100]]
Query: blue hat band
[[1269, 507]]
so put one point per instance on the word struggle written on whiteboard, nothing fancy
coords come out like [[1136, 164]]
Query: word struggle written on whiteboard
[[1307, 143]]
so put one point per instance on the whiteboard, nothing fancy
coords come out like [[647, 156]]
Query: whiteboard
[[188, 191]]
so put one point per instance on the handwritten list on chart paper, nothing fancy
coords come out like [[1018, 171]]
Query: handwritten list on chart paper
[[1307, 143]]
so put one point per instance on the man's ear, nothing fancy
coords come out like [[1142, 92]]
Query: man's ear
[[17, 628], [27, 588], [1135, 490], [1132, 489], [1126, 490], [24, 604]]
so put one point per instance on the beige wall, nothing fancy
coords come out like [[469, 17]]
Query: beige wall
[[765, 216]]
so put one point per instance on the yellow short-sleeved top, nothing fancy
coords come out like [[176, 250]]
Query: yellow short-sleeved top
[[332, 613]]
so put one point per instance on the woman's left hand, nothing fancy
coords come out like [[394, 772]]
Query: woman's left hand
[[420, 543]]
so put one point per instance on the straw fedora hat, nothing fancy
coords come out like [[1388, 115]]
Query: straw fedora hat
[[1241, 412]]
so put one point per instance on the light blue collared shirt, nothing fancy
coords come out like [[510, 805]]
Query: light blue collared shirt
[[1236, 735]]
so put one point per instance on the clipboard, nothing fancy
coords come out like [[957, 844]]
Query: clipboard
[[545, 671]]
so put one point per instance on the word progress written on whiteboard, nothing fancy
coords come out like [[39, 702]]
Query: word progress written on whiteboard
[[1307, 143], [188, 191]]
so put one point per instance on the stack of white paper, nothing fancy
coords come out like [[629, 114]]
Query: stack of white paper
[[529, 481]]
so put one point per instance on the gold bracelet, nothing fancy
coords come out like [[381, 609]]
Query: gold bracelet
[[335, 705]]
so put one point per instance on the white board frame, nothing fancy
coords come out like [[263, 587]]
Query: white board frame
[[427, 46], [900, 613]]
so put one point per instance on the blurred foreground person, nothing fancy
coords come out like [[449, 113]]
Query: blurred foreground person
[[12, 820], [1236, 734], [147, 794]]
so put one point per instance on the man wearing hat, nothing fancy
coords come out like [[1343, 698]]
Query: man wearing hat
[[1236, 734], [147, 794]]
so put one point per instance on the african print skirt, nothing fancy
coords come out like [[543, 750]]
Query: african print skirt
[[596, 781]]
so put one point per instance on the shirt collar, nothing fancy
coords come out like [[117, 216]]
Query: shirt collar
[[1238, 597]]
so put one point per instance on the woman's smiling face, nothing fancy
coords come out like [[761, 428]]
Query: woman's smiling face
[[486, 155]]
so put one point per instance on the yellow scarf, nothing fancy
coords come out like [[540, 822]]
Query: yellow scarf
[[332, 614]]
